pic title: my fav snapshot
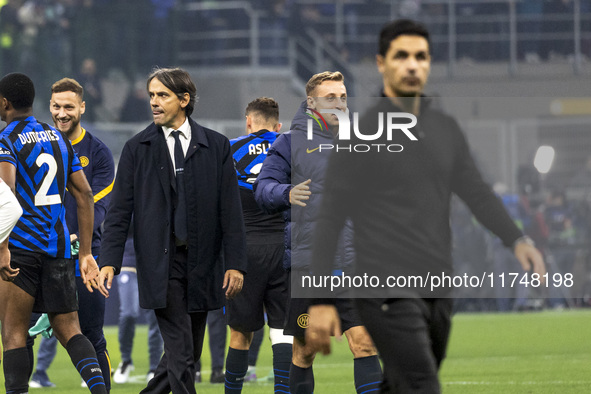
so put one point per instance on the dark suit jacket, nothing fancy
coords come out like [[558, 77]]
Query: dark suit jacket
[[144, 187]]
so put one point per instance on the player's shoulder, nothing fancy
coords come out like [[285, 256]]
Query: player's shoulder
[[281, 145], [213, 140], [212, 136], [29, 130], [4, 133], [285, 136], [238, 144], [95, 142], [244, 138], [99, 151], [18, 125], [36, 124], [284, 139], [262, 135], [144, 138], [268, 135]]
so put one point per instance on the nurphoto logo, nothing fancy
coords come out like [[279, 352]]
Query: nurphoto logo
[[389, 122]]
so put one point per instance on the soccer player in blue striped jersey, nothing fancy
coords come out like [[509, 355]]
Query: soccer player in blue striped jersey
[[266, 285], [38, 162], [67, 107]]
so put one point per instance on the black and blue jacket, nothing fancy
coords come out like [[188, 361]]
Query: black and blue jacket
[[99, 168], [292, 159]]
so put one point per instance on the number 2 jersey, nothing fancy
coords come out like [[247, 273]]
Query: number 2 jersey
[[44, 159]]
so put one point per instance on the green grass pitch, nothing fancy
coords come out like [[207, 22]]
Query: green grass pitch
[[541, 352]]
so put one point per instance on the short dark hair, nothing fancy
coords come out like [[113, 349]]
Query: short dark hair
[[179, 81], [68, 85], [317, 79], [18, 89], [265, 107], [400, 27]]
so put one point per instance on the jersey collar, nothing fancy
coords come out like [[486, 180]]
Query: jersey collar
[[77, 140]]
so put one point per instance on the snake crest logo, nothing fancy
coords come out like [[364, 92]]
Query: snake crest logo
[[303, 320]]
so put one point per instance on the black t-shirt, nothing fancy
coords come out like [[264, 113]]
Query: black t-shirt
[[260, 227]]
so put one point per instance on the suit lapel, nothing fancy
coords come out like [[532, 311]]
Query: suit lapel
[[162, 162], [198, 139], [192, 149]]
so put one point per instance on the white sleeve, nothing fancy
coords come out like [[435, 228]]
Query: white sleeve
[[10, 211]]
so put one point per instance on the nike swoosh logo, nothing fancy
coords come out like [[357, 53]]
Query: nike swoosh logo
[[311, 150]]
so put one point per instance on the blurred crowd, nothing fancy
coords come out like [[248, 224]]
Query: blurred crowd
[[545, 29], [51, 37], [48, 39], [558, 220], [55, 36]]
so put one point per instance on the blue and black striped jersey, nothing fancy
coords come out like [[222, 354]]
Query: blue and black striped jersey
[[44, 159], [249, 152]]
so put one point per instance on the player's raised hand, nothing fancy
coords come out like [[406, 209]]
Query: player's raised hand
[[300, 193], [233, 280], [323, 322], [107, 273]]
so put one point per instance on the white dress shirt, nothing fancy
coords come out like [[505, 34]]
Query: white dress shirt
[[184, 137]]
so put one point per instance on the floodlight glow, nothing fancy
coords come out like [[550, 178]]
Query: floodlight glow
[[544, 158]]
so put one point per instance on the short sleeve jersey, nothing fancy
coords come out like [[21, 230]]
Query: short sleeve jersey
[[44, 159], [97, 163], [249, 152]]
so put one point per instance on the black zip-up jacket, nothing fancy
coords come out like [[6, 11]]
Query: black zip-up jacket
[[400, 202]]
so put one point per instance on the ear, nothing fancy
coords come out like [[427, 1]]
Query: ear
[[83, 108], [248, 123], [311, 102], [185, 100], [380, 63], [4, 103], [277, 127]]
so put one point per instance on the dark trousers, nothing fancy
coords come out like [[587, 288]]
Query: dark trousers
[[216, 322], [217, 338], [92, 316], [411, 337], [182, 333]]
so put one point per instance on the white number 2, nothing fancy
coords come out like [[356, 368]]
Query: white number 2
[[41, 198]]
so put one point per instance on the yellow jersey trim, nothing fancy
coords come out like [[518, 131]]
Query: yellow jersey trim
[[77, 140], [103, 192]]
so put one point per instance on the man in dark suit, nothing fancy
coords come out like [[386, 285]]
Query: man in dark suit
[[188, 226]]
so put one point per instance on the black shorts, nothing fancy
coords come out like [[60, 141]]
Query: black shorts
[[265, 289], [297, 315], [51, 281]]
